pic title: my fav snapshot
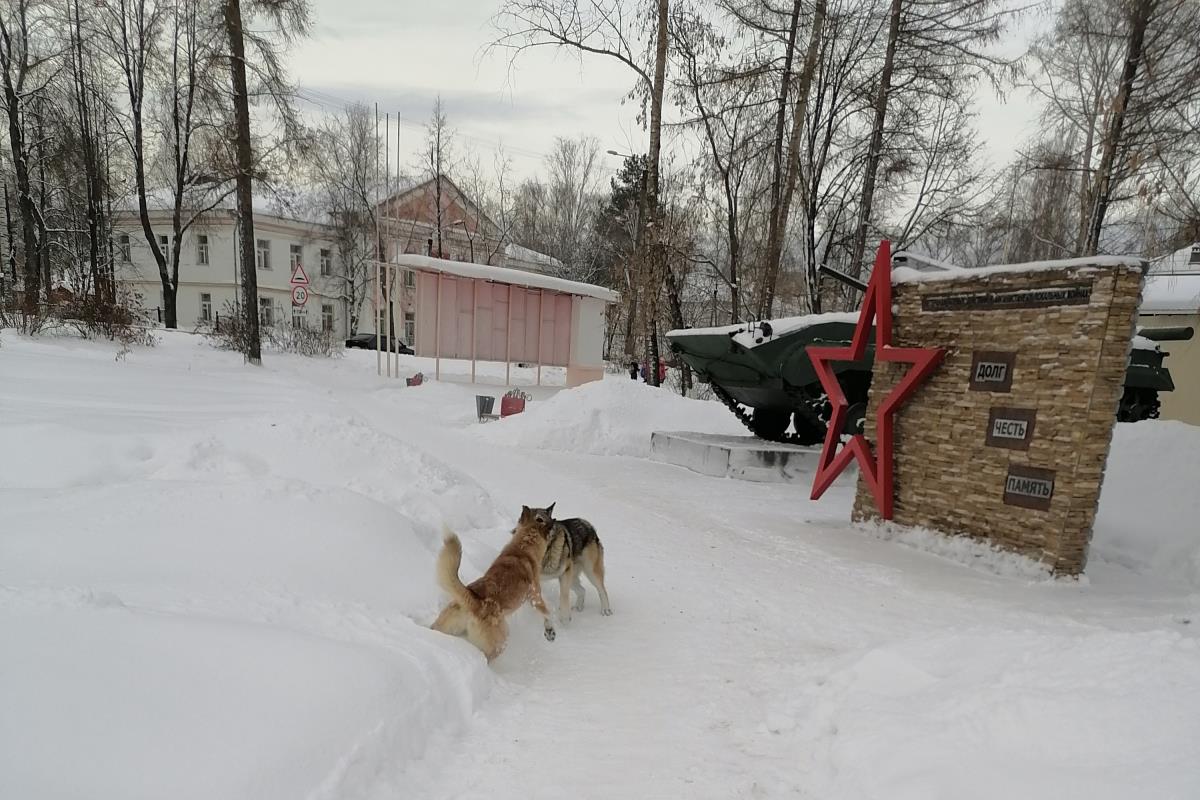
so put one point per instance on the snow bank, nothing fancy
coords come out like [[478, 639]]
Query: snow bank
[[215, 584], [994, 714], [1149, 505], [612, 417]]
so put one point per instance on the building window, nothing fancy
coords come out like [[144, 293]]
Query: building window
[[410, 327], [327, 317], [124, 252], [202, 249], [326, 262], [410, 278], [295, 256], [164, 244], [266, 313], [262, 254], [297, 316], [205, 307]]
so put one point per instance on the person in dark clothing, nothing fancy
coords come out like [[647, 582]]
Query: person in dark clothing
[[633, 370]]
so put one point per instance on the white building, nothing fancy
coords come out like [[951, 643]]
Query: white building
[[209, 281], [210, 284]]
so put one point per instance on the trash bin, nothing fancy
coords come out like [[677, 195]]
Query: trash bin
[[484, 404]]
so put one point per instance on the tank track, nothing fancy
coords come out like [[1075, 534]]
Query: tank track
[[747, 420]]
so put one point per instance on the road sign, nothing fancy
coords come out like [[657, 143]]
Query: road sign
[[299, 295], [299, 277]]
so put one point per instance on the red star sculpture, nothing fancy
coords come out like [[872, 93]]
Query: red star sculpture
[[876, 469]]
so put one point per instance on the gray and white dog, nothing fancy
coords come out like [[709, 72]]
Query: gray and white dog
[[574, 548]]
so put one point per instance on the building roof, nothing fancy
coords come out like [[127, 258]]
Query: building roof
[[515, 277], [1183, 260], [516, 251], [1173, 283]]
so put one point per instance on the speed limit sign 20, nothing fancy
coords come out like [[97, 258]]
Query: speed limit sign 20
[[299, 295]]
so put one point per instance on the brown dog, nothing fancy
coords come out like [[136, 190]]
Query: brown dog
[[479, 610]]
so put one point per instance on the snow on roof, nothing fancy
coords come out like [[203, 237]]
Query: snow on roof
[[513, 250], [516, 277], [910, 275], [1171, 293], [750, 334]]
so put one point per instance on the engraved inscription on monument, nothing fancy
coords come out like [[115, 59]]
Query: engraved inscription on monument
[[1017, 298], [1010, 427], [992, 371], [1029, 487]]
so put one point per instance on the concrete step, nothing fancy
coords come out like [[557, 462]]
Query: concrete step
[[746, 458]]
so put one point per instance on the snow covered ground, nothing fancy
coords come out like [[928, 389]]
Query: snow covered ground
[[215, 582]]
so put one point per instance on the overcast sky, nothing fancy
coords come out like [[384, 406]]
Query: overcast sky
[[401, 55]]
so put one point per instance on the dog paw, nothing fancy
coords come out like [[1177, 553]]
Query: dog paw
[[578, 604], [550, 634], [564, 620], [606, 612]]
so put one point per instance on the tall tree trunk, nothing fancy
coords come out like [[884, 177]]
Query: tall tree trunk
[[26, 209], [245, 168], [1139, 20], [875, 150], [652, 248], [779, 229], [43, 202], [775, 222]]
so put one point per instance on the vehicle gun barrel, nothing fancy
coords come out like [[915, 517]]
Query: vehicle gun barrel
[[1181, 334], [843, 278]]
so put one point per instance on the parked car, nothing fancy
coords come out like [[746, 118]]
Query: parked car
[[367, 341]]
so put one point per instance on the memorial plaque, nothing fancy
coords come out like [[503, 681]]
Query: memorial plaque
[[1010, 427], [1029, 487], [1036, 382], [992, 370], [1047, 297]]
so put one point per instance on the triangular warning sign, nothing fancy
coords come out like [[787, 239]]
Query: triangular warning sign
[[299, 277]]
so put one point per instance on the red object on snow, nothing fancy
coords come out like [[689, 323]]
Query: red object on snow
[[876, 468], [510, 405], [415, 380]]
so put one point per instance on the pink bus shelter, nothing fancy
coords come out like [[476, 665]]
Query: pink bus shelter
[[477, 312]]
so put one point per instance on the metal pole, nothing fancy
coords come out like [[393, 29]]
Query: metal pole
[[508, 341], [390, 272], [378, 286]]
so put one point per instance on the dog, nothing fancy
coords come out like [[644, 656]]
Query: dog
[[479, 610], [573, 548]]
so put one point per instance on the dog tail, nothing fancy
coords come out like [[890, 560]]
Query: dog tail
[[448, 563]]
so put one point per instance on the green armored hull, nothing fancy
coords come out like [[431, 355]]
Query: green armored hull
[[762, 372]]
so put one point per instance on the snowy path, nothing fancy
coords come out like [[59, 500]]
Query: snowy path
[[216, 579], [743, 611]]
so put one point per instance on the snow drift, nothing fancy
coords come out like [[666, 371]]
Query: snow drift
[[612, 417], [1149, 516]]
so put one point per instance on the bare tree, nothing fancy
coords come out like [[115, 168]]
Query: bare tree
[[343, 170], [21, 58], [438, 158]]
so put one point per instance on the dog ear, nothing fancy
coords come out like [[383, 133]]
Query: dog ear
[[550, 510], [525, 513]]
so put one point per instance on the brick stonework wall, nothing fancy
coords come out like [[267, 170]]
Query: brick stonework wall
[[1069, 369]]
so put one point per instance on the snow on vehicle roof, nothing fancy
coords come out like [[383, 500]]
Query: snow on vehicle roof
[[516, 277], [947, 273], [748, 334], [1142, 343]]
